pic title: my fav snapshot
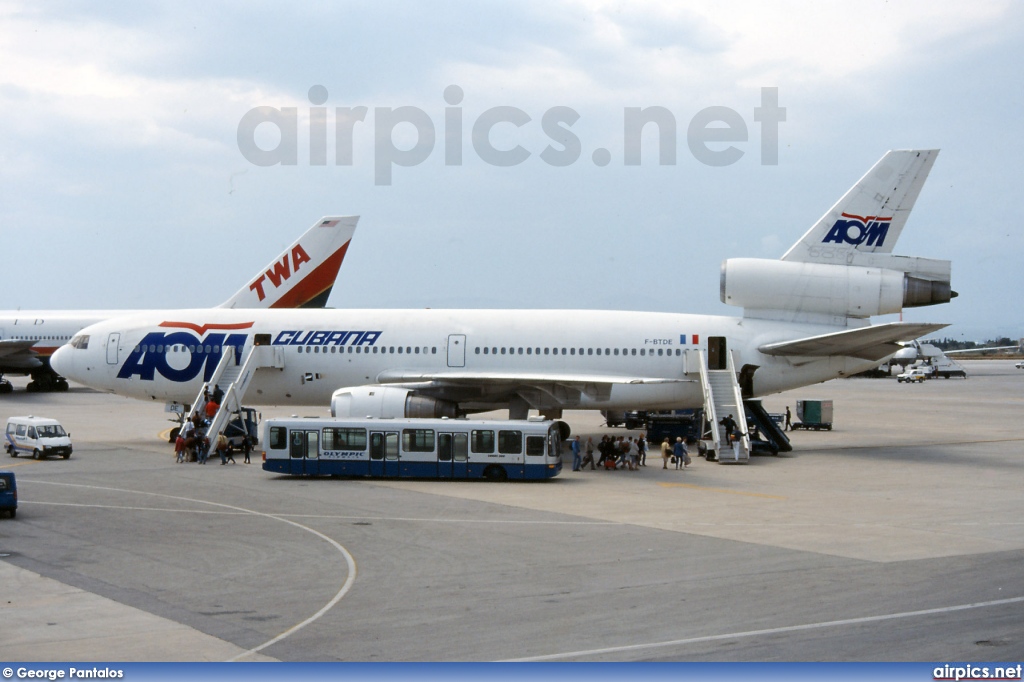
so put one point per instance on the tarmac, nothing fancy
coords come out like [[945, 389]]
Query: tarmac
[[897, 536]]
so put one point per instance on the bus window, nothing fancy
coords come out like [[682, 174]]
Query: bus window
[[535, 446], [312, 444], [483, 441], [460, 447], [278, 438], [391, 445], [510, 442], [444, 447], [344, 439], [417, 440]]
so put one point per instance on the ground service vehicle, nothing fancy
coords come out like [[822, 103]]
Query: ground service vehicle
[[8, 493], [813, 414], [917, 375], [419, 448], [37, 436]]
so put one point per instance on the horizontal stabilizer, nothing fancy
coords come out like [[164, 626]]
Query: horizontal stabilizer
[[867, 343]]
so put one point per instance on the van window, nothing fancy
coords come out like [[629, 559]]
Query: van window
[[21, 430], [31, 432]]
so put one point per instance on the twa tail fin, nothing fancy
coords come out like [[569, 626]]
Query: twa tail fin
[[871, 215], [303, 275]]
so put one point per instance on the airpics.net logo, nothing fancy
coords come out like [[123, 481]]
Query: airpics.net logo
[[712, 134]]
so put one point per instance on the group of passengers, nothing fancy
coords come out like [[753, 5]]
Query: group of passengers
[[625, 453], [192, 443]]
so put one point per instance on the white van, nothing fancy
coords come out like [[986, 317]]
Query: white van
[[37, 436]]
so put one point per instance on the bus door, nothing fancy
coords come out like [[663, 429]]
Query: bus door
[[460, 455], [304, 451], [444, 455], [391, 462], [384, 453], [376, 453]]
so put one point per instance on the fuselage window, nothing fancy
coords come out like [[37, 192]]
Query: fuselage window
[[418, 350], [520, 351], [633, 352], [503, 350], [529, 351], [616, 351], [563, 351], [643, 351], [546, 351], [590, 351], [160, 349], [572, 351]]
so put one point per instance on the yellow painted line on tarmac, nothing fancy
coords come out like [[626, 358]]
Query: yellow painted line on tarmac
[[721, 490], [20, 464], [165, 435]]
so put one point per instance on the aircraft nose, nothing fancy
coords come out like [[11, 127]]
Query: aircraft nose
[[63, 361]]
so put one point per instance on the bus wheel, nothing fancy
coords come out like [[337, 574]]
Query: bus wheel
[[495, 473], [35, 454]]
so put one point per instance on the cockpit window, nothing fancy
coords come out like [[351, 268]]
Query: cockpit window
[[81, 342]]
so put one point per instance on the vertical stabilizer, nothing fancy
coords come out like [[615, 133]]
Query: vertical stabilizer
[[303, 275], [870, 217]]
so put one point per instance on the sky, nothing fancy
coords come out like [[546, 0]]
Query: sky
[[127, 178]]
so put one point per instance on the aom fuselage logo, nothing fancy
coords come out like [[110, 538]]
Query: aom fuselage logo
[[857, 230]]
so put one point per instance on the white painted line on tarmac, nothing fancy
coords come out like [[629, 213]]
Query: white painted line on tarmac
[[349, 560], [769, 631]]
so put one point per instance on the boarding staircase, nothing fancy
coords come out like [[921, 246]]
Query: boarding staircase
[[722, 396], [236, 376]]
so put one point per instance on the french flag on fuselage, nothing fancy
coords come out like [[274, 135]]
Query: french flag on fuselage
[[685, 339]]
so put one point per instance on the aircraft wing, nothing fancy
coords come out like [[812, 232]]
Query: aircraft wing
[[464, 386], [18, 354], [869, 343], [456, 376]]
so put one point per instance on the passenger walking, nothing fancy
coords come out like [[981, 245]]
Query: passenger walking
[[679, 453], [729, 425], [641, 446], [590, 454], [211, 410], [633, 455], [188, 434], [666, 452], [789, 420], [576, 453], [224, 450], [179, 449]]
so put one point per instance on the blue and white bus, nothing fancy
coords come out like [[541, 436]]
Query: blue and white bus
[[419, 448]]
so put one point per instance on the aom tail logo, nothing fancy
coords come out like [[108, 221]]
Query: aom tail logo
[[857, 230], [281, 271]]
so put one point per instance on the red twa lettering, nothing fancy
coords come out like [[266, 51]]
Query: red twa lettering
[[280, 271]]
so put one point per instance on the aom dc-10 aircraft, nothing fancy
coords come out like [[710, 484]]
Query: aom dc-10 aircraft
[[805, 320], [300, 277]]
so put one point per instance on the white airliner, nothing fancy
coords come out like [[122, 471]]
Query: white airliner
[[805, 320], [300, 277]]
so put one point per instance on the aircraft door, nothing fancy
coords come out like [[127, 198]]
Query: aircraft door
[[444, 455], [717, 352], [112, 342], [376, 453], [456, 350]]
